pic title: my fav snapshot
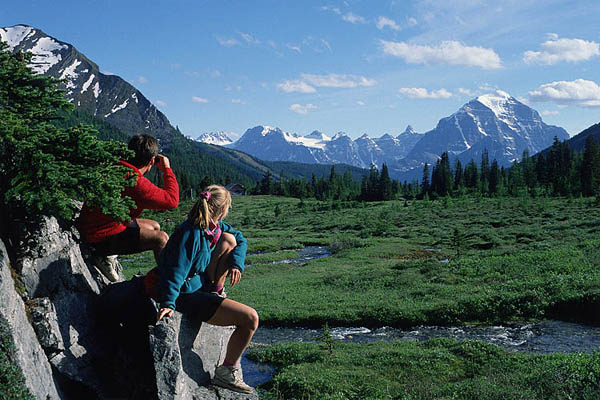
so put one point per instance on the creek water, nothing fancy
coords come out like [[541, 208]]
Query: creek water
[[540, 337], [304, 255]]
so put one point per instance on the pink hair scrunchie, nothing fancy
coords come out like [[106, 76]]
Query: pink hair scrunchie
[[205, 195]]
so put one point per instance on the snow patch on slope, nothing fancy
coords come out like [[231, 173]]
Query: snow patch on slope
[[15, 35], [70, 75], [44, 57], [97, 89], [87, 83], [117, 108]]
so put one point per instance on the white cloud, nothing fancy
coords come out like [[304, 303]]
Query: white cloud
[[548, 112], [334, 10], [422, 93], [338, 80], [557, 50], [295, 86], [486, 87], [318, 45], [215, 74], [303, 110], [466, 92], [227, 42], [249, 38], [309, 82], [383, 22], [580, 92], [361, 103], [238, 101], [353, 18], [142, 79], [412, 21], [448, 52], [160, 103], [197, 99], [294, 47]]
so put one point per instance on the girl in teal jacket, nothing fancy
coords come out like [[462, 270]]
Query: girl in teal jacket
[[200, 255]]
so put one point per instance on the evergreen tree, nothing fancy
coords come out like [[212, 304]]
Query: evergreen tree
[[206, 181], [590, 168], [385, 184], [485, 171], [529, 170], [459, 178], [266, 184], [472, 175], [445, 176], [425, 180], [44, 167], [495, 178]]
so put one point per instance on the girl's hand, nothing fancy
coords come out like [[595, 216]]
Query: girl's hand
[[164, 312], [236, 276]]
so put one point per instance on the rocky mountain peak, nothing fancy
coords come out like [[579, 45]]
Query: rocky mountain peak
[[409, 131]]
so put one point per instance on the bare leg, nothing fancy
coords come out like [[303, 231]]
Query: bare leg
[[218, 267], [148, 224], [244, 318], [152, 239]]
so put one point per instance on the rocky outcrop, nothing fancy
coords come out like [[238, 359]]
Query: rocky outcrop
[[184, 357], [78, 336], [30, 356]]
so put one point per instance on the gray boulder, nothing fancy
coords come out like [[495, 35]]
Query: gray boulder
[[93, 338], [185, 355], [29, 354]]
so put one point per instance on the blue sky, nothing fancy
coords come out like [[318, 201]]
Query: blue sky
[[354, 66]]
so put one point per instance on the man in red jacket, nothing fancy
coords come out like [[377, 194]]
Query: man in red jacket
[[109, 237]]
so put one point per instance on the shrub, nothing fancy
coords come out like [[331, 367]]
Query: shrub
[[43, 167]]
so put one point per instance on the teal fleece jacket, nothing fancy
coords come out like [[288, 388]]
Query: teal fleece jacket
[[184, 259]]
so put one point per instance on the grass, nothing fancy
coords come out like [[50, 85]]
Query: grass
[[435, 369], [508, 259], [505, 260], [12, 381]]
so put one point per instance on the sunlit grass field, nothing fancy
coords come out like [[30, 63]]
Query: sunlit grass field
[[403, 264]]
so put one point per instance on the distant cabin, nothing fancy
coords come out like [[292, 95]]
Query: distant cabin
[[236, 189]]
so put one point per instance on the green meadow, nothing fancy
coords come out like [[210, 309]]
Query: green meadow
[[404, 264]]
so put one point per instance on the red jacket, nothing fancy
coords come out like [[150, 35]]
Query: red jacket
[[95, 226]]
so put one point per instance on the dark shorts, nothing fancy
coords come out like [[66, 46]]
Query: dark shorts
[[199, 305], [126, 242]]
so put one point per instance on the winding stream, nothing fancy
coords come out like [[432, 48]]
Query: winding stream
[[304, 255], [541, 337]]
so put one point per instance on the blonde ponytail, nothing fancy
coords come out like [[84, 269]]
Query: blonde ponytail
[[212, 203]]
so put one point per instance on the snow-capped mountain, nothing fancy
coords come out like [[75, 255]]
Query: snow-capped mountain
[[104, 95], [219, 138], [273, 144], [497, 122]]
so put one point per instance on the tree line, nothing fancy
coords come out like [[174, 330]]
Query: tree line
[[558, 171], [376, 186]]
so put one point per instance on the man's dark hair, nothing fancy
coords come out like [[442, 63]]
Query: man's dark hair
[[145, 148]]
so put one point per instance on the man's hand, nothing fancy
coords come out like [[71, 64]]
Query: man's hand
[[161, 162], [236, 276], [164, 312]]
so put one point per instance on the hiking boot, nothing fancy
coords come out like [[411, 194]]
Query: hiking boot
[[231, 378], [109, 266]]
